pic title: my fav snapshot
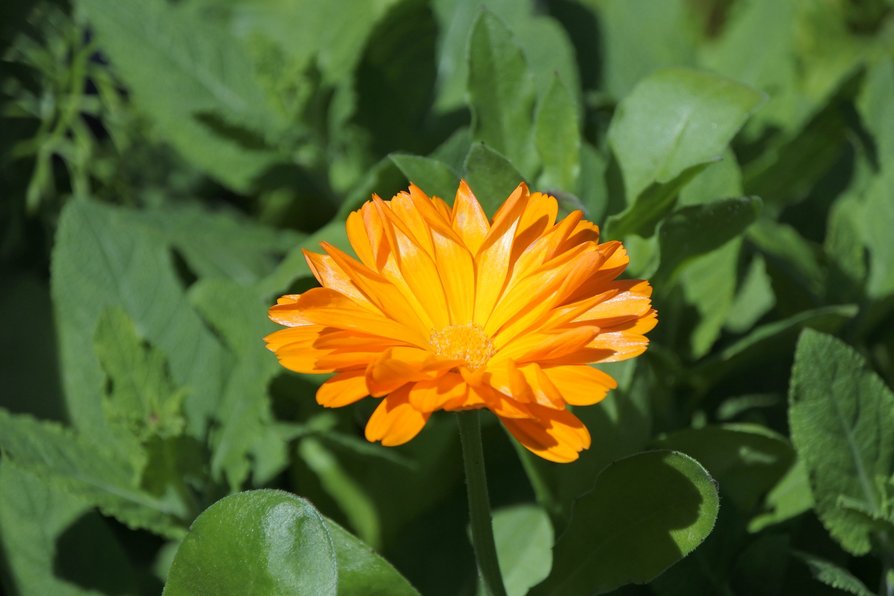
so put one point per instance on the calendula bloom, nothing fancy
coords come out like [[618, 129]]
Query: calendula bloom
[[445, 310]]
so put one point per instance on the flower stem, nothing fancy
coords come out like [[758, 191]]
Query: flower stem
[[479, 505]]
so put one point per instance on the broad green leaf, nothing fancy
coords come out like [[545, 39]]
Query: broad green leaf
[[653, 204], [256, 542], [789, 498], [557, 135], [592, 189], [501, 93], [53, 543], [434, 177], [547, 49], [876, 218], [491, 177], [720, 180], [94, 472], [840, 415], [208, 102], [833, 575], [242, 441], [524, 538], [708, 284], [784, 248], [645, 513], [642, 36], [229, 245], [747, 460], [698, 229], [769, 341], [112, 257], [876, 110], [142, 398], [362, 572], [673, 120], [754, 297]]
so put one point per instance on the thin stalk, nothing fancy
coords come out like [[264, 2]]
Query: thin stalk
[[479, 505]]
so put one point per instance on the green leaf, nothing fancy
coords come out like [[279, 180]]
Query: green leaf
[[524, 538], [876, 219], [754, 297], [106, 256], [747, 460], [833, 575], [194, 81], [875, 107], [243, 440], [230, 245], [641, 36], [788, 251], [708, 283], [673, 120], [94, 472], [719, 180], [789, 498], [501, 93], [645, 513], [490, 176], [53, 543], [653, 204], [698, 229], [434, 177], [768, 342], [558, 139], [142, 398], [840, 415], [256, 542], [362, 572]]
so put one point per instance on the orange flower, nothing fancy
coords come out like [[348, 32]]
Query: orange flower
[[447, 311]]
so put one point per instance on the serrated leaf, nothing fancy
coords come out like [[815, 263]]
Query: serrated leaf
[[97, 474], [491, 177], [256, 542], [840, 413], [833, 575], [434, 177], [558, 139], [142, 397], [501, 92], [243, 435], [673, 120], [205, 72], [39, 525], [645, 513], [106, 256]]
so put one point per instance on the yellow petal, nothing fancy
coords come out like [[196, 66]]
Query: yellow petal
[[580, 385], [428, 396], [469, 219], [556, 435]]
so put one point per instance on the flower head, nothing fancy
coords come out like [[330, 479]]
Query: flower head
[[445, 310]]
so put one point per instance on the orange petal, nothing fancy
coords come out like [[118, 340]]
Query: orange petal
[[398, 366], [295, 350], [624, 300], [580, 385], [531, 347], [343, 389], [332, 276], [331, 309], [395, 421], [493, 258], [469, 219], [626, 340], [556, 435], [428, 396]]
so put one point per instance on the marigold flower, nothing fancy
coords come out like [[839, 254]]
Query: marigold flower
[[447, 311]]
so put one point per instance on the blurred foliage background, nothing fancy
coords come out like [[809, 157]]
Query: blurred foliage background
[[162, 162]]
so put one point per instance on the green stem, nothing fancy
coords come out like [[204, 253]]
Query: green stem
[[479, 505]]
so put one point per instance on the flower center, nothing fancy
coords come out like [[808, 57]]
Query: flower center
[[463, 342]]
